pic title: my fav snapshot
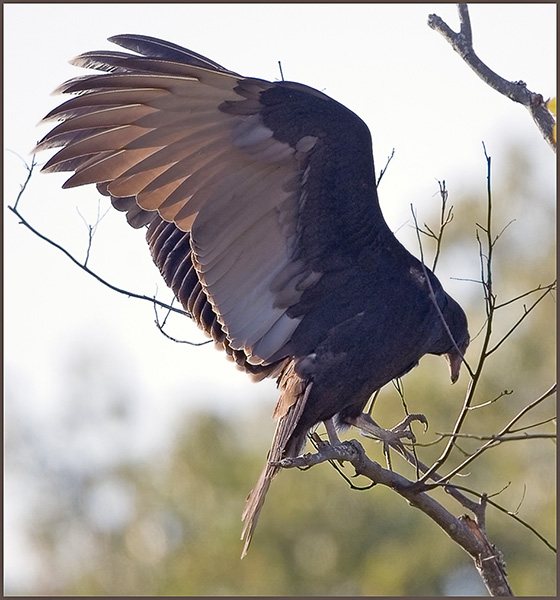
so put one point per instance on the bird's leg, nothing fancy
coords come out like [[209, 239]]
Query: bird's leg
[[331, 432], [334, 440], [391, 438]]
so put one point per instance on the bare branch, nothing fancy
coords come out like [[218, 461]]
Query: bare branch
[[514, 90], [81, 265], [462, 530], [445, 219], [503, 438], [488, 402], [30, 168], [543, 422], [280, 69], [446, 216], [511, 514], [92, 229], [525, 314], [549, 287], [503, 432], [161, 325], [384, 169]]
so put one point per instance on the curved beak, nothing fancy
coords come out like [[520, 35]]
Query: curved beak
[[455, 360]]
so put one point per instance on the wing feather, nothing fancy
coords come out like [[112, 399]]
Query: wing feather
[[176, 135]]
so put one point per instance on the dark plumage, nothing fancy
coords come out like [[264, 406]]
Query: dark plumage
[[262, 212]]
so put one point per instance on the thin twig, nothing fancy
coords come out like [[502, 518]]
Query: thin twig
[[503, 438], [384, 169], [503, 432], [486, 267], [161, 325], [550, 286], [92, 229], [525, 314], [525, 427], [23, 186], [495, 399], [280, 68], [446, 216]]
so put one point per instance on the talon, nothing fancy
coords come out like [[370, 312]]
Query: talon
[[405, 423]]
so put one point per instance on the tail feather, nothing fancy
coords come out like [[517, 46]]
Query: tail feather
[[291, 403]]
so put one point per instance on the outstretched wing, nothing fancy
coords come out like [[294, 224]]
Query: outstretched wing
[[272, 182]]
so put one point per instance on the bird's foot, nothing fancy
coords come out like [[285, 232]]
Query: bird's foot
[[404, 425], [391, 438]]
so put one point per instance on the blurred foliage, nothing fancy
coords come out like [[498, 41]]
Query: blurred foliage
[[170, 525]]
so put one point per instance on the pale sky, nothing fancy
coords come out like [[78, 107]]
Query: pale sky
[[381, 61]]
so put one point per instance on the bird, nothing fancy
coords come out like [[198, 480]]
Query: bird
[[261, 211]]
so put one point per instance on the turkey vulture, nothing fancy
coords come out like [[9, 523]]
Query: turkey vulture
[[262, 215]]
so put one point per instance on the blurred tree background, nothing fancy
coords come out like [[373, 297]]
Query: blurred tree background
[[119, 523]]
